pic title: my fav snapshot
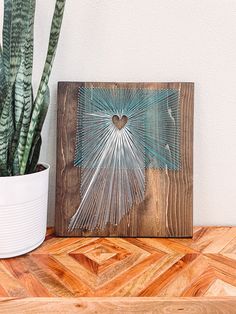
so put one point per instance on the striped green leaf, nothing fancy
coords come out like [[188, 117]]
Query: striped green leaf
[[38, 104], [18, 30], [35, 148], [6, 35], [23, 88], [21, 117], [2, 79]]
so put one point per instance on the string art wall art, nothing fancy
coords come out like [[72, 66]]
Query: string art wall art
[[124, 159]]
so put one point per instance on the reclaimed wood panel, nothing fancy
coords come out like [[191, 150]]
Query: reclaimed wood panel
[[167, 209]]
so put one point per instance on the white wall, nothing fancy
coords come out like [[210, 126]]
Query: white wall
[[157, 40]]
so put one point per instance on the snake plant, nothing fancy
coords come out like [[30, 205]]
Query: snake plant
[[22, 115]]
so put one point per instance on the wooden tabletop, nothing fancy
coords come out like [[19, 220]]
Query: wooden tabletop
[[124, 275]]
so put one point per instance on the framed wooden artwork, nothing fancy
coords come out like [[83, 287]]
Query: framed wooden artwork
[[124, 159]]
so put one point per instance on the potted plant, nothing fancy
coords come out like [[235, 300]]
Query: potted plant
[[23, 183]]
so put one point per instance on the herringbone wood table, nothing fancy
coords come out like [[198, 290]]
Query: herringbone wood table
[[158, 275]]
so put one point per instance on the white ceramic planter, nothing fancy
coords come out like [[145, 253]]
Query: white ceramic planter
[[23, 212]]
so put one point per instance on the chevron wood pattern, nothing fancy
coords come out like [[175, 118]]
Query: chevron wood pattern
[[200, 269]]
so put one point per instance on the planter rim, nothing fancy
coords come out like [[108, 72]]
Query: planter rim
[[46, 165]]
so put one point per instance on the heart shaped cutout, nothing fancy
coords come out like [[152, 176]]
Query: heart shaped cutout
[[119, 122]]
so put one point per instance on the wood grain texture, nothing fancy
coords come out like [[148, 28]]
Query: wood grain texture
[[167, 209], [125, 267], [124, 275], [119, 305]]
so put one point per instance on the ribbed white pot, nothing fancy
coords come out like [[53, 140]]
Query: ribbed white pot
[[23, 212]]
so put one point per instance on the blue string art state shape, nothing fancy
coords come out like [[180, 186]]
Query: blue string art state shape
[[121, 132]]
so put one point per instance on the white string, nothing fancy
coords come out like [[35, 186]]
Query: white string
[[113, 160]]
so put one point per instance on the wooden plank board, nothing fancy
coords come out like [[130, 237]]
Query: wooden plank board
[[118, 305], [167, 208]]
